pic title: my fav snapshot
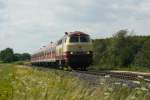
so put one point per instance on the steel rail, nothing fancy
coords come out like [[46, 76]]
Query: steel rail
[[125, 75]]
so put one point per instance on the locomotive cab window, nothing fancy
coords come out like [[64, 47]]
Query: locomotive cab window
[[80, 38], [84, 39], [74, 39]]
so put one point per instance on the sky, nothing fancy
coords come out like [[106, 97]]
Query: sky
[[26, 25]]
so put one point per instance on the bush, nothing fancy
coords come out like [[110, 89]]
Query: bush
[[122, 50], [143, 56], [7, 56]]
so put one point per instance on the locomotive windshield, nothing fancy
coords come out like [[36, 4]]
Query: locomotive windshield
[[82, 38], [74, 39]]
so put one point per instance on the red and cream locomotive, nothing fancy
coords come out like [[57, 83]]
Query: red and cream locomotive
[[74, 49]]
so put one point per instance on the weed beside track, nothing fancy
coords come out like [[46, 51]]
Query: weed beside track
[[20, 82]]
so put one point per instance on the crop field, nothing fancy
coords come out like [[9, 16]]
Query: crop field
[[18, 82]]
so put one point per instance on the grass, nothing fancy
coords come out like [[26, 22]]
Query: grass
[[18, 82]]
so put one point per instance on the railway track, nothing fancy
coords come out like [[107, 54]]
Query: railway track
[[125, 75]]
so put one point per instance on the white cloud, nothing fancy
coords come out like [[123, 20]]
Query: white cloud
[[26, 25]]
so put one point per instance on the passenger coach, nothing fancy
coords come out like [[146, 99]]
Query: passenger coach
[[74, 49]]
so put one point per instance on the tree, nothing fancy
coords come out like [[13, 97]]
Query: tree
[[119, 51], [26, 56], [7, 55], [143, 56], [17, 57]]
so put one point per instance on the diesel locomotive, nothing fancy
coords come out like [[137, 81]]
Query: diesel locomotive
[[74, 49]]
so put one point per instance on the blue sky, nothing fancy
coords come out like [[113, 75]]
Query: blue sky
[[26, 25]]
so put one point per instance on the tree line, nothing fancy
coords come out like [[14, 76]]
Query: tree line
[[7, 56], [122, 50]]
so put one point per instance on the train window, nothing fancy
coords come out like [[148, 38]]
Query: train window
[[74, 39], [59, 42], [65, 40], [84, 39]]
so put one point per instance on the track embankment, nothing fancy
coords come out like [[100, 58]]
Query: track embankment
[[93, 77], [129, 78]]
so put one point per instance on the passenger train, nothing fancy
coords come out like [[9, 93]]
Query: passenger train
[[74, 49]]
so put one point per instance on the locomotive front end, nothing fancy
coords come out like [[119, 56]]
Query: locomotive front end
[[78, 50]]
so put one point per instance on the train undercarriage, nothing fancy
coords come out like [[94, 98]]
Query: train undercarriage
[[75, 62]]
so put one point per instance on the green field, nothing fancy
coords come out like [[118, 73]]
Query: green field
[[18, 82]]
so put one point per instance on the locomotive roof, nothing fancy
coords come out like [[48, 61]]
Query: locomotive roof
[[76, 32], [45, 48], [71, 33]]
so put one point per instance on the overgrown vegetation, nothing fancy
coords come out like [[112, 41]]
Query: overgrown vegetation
[[26, 83], [7, 55], [122, 50]]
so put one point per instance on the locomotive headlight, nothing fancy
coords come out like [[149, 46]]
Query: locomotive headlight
[[88, 52], [71, 52]]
